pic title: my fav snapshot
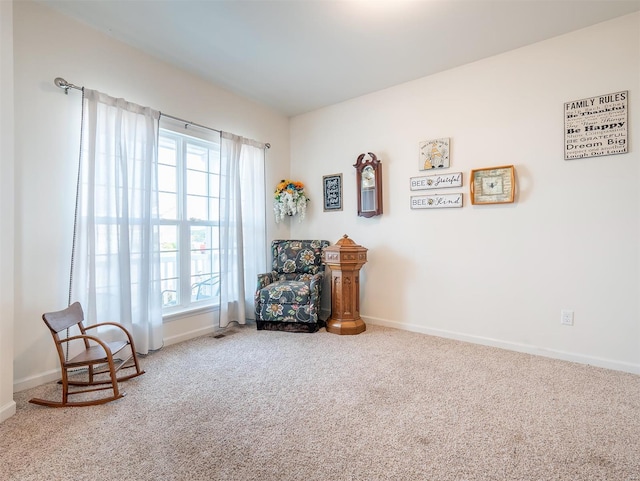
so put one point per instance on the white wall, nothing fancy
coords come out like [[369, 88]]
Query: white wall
[[493, 274], [501, 274], [49, 45], [7, 405]]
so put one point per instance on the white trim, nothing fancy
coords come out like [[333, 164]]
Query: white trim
[[185, 336], [54, 375], [174, 316], [511, 346], [37, 380], [7, 411]]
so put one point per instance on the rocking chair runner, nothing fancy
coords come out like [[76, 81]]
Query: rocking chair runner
[[100, 358]]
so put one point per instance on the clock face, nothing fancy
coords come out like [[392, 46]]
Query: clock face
[[492, 185], [368, 177]]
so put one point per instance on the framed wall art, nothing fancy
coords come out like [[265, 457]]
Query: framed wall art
[[434, 154], [332, 192], [493, 185], [596, 126], [436, 181], [436, 201], [369, 185]]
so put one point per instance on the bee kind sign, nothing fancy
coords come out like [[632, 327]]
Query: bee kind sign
[[596, 126]]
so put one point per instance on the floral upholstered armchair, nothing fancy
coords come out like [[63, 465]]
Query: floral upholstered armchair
[[288, 297]]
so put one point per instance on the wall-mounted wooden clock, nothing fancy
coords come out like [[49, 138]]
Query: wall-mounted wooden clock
[[369, 185]]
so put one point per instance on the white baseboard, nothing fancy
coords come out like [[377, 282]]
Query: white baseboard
[[7, 410], [54, 375], [33, 381], [512, 346], [185, 336]]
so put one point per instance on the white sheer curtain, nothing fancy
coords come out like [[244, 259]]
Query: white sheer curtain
[[116, 263], [242, 226]]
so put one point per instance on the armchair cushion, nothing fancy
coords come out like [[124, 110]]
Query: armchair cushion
[[295, 293], [297, 257]]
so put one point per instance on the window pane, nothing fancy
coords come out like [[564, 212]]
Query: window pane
[[188, 180], [168, 238], [215, 240], [204, 278], [167, 178], [169, 265], [103, 206], [201, 250], [170, 292], [167, 151], [196, 182], [214, 185], [106, 239], [196, 208], [214, 209], [169, 251], [168, 206], [214, 159], [200, 264], [197, 157], [203, 288], [200, 237]]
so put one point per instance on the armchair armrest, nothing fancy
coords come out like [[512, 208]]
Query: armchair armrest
[[265, 279], [315, 285]]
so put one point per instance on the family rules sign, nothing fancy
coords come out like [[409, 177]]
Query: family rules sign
[[596, 126]]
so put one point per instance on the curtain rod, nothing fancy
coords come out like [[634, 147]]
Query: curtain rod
[[63, 84]]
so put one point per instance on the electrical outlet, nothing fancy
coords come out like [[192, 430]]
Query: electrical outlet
[[566, 317]]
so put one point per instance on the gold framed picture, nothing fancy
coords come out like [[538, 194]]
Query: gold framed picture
[[493, 185]]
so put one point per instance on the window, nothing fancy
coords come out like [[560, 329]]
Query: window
[[188, 197]]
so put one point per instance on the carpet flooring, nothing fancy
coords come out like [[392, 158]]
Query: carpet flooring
[[383, 405]]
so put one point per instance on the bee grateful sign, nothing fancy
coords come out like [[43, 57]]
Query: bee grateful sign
[[435, 181], [596, 126]]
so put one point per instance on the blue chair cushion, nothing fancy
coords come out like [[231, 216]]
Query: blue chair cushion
[[286, 292], [297, 257]]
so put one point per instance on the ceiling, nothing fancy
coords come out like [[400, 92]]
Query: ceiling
[[300, 55]]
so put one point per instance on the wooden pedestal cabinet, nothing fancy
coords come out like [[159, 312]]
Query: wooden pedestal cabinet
[[345, 259]]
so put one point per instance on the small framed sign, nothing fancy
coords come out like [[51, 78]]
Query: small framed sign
[[434, 154], [436, 201], [596, 126], [438, 181], [494, 185], [332, 192]]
